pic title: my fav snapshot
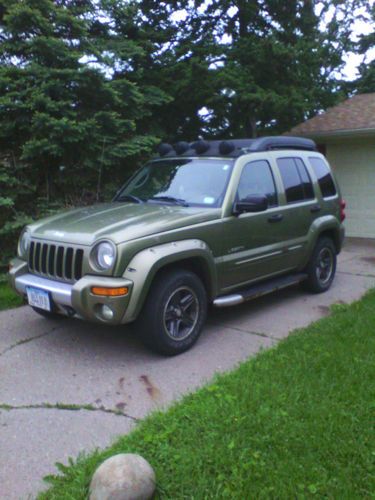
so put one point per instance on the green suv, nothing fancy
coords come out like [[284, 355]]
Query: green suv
[[209, 222]]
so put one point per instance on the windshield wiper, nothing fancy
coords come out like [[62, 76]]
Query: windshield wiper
[[171, 199], [129, 197]]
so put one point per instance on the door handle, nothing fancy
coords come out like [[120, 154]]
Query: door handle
[[275, 218], [315, 209]]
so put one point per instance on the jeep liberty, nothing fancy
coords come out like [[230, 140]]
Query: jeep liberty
[[209, 222]]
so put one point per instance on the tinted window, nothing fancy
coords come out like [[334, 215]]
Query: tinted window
[[324, 176], [305, 178], [257, 179], [296, 180]]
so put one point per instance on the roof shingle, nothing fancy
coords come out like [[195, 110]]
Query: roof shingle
[[355, 113]]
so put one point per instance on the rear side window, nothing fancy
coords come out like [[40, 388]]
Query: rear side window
[[257, 179], [296, 180], [321, 169]]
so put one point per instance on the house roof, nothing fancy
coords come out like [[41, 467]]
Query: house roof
[[355, 114]]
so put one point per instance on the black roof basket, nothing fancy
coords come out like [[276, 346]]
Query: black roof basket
[[233, 148], [282, 142]]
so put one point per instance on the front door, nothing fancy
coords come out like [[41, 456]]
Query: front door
[[253, 245]]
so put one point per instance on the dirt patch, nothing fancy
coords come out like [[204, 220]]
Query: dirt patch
[[151, 389], [325, 310]]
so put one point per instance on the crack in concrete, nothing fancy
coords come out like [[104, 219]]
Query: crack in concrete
[[29, 339], [257, 334], [67, 407]]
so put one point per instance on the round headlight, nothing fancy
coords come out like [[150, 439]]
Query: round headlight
[[105, 255], [24, 243]]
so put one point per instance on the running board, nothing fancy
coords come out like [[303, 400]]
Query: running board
[[259, 289]]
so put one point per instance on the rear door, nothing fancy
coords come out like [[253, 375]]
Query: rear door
[[300, 204]]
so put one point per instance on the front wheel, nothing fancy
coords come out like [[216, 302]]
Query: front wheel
[[321, 268], [174, 312]]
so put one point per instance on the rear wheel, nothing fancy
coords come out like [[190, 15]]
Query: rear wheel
[[321, 268], [174, 312]]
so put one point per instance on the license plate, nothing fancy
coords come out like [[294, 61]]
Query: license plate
[[38, 298]]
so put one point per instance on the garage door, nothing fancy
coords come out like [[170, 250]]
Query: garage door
[[354, 166]]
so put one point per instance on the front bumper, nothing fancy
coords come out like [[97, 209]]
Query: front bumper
[[74, 299]]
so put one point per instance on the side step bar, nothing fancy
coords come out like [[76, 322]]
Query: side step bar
[[259, 289]]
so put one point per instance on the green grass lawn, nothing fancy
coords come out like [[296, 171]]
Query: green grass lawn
[[297, 421], [8, 298]]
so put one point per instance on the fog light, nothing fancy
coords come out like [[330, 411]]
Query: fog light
[[107, 312]]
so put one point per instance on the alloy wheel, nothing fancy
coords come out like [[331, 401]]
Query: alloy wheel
[[324, 268], [181, 313]]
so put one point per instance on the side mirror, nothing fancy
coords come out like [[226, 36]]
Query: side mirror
[[258, 203]]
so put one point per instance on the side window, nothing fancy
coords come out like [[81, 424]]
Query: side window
[[321, 169], [296, 179], [305, 178], [257, 179]]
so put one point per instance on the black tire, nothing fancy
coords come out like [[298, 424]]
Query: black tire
[[321, 268], [174, 313], [48, 314]]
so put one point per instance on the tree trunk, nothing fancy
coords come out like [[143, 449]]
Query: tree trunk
[[250, 127], [48, 184], [100, 174]]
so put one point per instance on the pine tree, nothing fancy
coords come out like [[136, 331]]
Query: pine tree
[[238, 68], [281, 62], [366, 81], [170, 59], [60, 111], [68, 130]]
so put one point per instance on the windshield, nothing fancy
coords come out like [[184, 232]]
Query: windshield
[[193, 182]]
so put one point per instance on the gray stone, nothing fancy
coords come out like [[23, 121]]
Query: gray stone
[[123, 477]]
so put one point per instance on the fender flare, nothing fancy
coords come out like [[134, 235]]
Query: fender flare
[[319, 226], [143, 267]]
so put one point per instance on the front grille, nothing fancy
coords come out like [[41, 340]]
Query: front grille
[[56, 261]]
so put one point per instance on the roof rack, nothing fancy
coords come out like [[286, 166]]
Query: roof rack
[[235, 147]]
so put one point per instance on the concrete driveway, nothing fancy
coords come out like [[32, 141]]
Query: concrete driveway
[[46, 365]]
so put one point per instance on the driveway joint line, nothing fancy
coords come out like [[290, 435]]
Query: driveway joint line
[[29, 339], [66, 407], [357, 274]]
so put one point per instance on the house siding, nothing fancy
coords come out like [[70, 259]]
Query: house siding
[[354, 166]]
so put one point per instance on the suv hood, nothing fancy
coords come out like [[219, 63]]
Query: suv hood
[[118, 222]]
